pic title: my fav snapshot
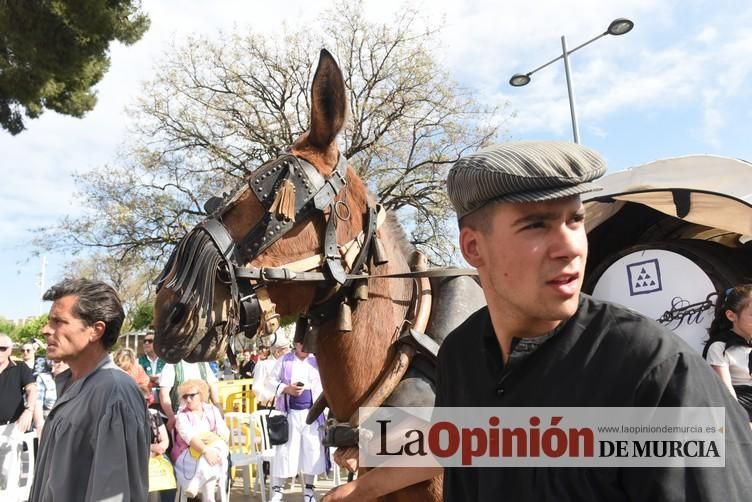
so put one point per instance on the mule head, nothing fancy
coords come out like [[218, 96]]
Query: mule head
[[229, 274]]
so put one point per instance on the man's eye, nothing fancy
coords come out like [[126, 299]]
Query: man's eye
[[535, 225], [578, 218]]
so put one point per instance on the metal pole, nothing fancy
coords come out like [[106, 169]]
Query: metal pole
[[41, 283], [575, 128]]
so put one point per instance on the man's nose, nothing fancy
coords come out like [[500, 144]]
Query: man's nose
[[46, 330], [568, 242]]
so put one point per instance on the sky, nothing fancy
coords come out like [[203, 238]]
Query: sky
[[677, 84]]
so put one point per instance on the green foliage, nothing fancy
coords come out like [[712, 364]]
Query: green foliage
[[6, 326], [141, 317], [20, 333], [52, 52]]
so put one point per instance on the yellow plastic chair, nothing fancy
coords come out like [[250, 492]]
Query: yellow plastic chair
[[242, 451], [244, 401]]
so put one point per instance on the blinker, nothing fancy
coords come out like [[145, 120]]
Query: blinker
[[250, 315]]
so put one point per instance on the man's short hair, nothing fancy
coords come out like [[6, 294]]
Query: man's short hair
[[524, 171], [96, 301]]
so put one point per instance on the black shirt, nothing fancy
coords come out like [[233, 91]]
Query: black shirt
[[13, 379], [604, 355]]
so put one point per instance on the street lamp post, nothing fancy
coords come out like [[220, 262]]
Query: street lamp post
[[617, 27]]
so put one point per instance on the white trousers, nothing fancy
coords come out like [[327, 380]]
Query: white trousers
[[206, 477], [303, 451]]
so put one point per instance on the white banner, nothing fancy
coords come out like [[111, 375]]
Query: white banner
[[543, 437]]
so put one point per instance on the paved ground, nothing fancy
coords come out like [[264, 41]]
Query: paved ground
[[293, 493]]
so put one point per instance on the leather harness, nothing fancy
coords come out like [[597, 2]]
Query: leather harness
[[208, 252]]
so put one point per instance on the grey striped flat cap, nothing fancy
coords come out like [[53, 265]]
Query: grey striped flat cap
[[525, 171]]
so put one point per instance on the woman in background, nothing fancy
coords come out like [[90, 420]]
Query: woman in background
[[126, 359], [200, 450]]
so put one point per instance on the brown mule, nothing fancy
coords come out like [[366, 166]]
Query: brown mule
[[272, 228]]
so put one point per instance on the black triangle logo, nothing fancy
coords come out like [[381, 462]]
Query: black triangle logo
[[643, 271], [652, 283]]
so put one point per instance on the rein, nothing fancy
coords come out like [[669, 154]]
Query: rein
[[271, 274]]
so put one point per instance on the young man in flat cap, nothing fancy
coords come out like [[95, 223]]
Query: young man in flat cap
[[541, 343]]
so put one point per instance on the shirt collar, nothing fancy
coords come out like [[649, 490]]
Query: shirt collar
[[524, 346], [10, 363], [63, 378]]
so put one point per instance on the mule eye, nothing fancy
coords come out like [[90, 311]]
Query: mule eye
[[223, 275]]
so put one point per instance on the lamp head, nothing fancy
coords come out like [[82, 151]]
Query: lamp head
[[620, 26], [519, 79]]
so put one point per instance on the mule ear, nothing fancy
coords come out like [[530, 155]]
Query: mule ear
[[328, 102]]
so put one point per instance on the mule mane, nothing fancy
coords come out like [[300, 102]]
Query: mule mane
[[398, 233]]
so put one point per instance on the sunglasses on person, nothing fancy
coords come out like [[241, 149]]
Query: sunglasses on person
[[28, 350], [3, 348], [148, 340], [186, 397]]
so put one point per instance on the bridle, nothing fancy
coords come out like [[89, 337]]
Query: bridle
[[290, 190]]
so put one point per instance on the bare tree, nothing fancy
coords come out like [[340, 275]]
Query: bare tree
[[217, 109], [129, 276]]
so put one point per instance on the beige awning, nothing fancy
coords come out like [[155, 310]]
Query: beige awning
[[719, 191]]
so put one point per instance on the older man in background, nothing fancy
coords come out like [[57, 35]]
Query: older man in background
[[17, 399], [17, 389]]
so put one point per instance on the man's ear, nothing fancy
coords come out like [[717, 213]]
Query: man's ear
[[98, 327], [470, 245]]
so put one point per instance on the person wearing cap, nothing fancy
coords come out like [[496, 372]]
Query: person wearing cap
[[541, 342]]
